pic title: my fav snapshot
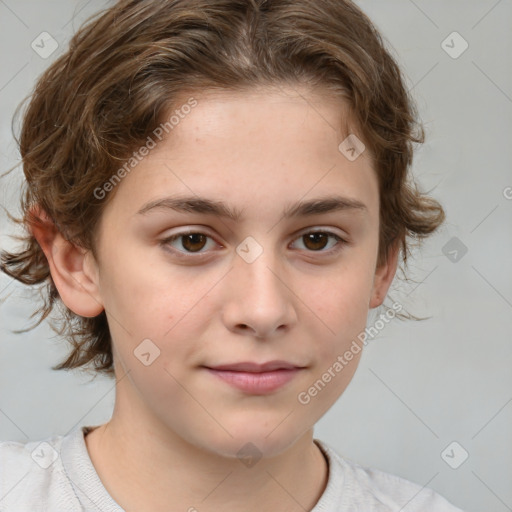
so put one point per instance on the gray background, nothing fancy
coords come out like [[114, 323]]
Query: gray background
[[420, 385]]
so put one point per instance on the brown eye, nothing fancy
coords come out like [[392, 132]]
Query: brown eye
[[318, 241], [193, 242], [315, 241], [184, 244]]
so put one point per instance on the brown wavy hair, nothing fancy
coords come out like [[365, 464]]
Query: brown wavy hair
[[128, 65]]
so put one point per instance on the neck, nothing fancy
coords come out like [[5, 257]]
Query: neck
[[133, 456]]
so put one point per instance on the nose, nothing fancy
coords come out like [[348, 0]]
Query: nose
[[259, 300]]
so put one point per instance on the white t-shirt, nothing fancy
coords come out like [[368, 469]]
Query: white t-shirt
[[56, 475]]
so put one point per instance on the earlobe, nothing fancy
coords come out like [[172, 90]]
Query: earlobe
[[384, 275], [72, 268]]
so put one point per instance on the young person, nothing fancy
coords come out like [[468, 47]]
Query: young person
[[218, 192]]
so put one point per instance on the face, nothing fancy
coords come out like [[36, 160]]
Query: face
[[216, 296]]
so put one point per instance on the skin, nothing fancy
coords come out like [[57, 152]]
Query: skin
[[176, 429]]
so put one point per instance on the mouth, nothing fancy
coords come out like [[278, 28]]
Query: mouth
[[256, 378], [250, 367]]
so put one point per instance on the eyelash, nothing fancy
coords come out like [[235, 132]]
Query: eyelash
[[334, 250]]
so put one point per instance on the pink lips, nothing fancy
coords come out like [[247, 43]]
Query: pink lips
[[256, 378]]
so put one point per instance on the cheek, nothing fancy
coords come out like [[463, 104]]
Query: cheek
[[341, 305], [142, 295], [167, 308], [342, 299]]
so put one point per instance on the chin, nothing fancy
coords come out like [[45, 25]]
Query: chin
[[253, 440]]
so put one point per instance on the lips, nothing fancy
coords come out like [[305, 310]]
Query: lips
[[256, 378], [255, 367]]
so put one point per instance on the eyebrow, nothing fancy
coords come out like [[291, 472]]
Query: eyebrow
[[196, 204]]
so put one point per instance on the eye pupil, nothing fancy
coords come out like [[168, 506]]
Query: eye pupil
[[314, 237], [193, 238]]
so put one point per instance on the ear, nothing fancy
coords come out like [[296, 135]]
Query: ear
[[384, 275], [73, 269]]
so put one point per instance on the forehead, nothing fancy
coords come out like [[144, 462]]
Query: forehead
[[298, 110], [279, 143]]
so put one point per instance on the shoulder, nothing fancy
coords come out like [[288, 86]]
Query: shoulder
[[371, 489], [32, 477]]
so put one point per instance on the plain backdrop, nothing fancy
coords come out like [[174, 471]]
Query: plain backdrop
[[427, 394]]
